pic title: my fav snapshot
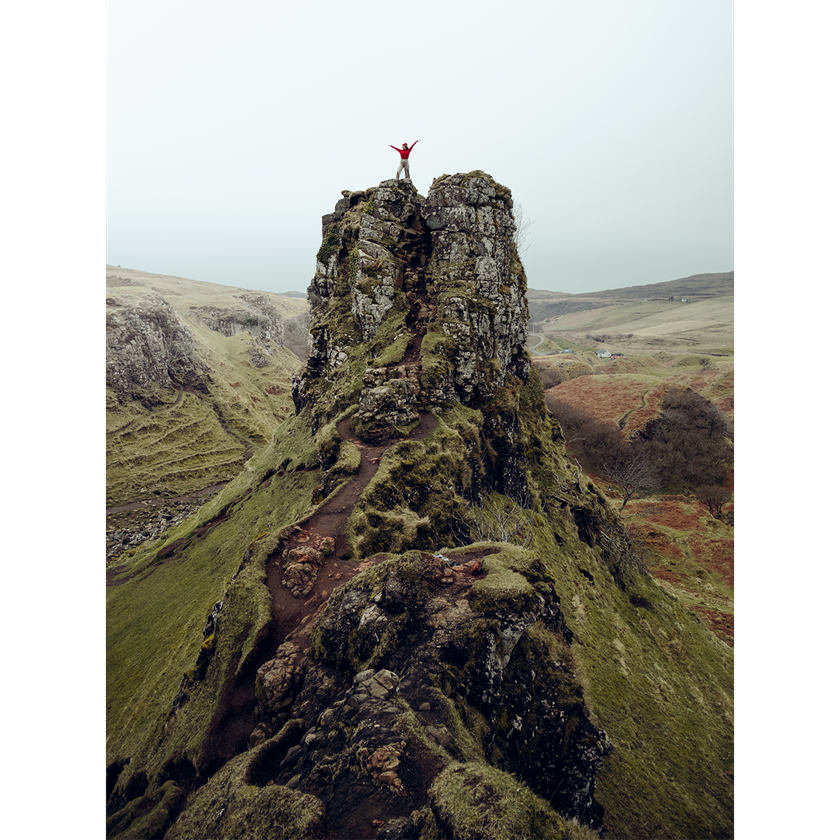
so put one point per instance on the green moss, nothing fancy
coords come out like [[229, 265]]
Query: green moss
[[394, 352], [503, 591], [420, 485], [328, 442], [330, 245], [348, 461], [353, 262], [229, 807], [477, 802]]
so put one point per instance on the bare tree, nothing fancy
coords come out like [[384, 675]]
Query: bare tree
[[630, 468], [498, 519], [713, 497], [521, 237]]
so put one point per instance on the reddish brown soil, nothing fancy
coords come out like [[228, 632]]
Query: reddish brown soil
[[295, 618], [330, 522], [675, 557]]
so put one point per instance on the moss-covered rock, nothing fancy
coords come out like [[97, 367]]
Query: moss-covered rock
[[230, 809], [497, 664]]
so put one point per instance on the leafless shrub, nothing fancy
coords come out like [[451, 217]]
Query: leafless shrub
[[713, 498], [521, 237], [628, 467], [497, 519], [550, 376]]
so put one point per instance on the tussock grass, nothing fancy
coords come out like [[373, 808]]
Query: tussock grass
[[227, 806], [474, 801]]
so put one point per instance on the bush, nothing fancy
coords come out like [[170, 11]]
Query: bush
[[713, 497], [688, 442], [686, 446], [550, 376]]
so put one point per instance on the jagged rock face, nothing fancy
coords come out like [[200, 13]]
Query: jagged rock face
[[148, 345], [399, 269], [477, 280], [492, 652], [390, 231]]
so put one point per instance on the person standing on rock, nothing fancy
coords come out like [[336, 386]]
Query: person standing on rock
[[405, 151]]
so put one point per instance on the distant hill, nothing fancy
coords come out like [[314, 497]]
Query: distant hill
[[545, 304]]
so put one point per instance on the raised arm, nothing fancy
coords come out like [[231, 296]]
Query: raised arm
[[395, 148], [413, 145]]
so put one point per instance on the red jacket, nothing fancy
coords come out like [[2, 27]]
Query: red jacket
[[404, 153]]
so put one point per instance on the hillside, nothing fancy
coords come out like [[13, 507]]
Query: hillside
[[688, 550], [701, 327], [546, 306], [198, 377], [410, 615]]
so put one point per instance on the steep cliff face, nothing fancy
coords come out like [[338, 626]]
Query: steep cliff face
[[261, 320], [147, 345], [434, 286], [410, 617], [151, 343]]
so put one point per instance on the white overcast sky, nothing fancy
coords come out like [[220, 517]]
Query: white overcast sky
[[232, 127]]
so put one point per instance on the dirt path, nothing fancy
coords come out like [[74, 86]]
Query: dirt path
[[293, 614], [322, 541], [144, 503], [623, 421]]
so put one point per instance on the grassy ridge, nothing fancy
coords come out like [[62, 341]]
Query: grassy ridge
[[156, 615], [654, 677]]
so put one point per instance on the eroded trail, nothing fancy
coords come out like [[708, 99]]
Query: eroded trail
[[321, 543], [301, 574]]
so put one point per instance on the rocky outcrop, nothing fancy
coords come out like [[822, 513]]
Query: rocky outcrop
[[260, 319], [435, 285], [430, 645], [475, 277], [383, 685], [147, 345]]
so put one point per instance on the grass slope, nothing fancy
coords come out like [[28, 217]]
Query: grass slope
[[186, 442], [164, 591]]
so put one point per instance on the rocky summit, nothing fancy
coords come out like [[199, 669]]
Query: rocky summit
[[411, 615], [437, 278]]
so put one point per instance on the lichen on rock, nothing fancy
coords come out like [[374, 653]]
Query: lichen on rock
[[445, 265]]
